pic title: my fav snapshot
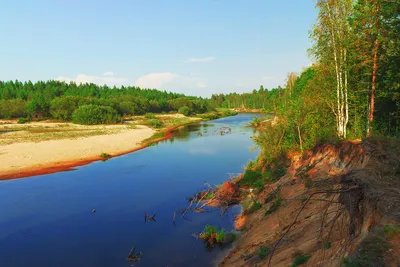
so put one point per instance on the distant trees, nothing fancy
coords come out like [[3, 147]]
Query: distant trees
[[13, 108], [59, 100], [94, 114]]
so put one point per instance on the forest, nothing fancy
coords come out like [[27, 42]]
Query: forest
[[58, 100], [352, 89]]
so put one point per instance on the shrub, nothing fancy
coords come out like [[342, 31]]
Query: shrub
[[250, 177], [23, 120], [251, 206], [262, 252], [12, 108], [105, 156], [301, 259], [150, 116], [391, 230], [275, 205], [184, 110], [92, 114], [155, 123]]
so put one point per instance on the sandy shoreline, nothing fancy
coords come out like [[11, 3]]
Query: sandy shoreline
[[34, 158]]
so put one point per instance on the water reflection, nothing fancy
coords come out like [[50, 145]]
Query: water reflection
[[48, 221]]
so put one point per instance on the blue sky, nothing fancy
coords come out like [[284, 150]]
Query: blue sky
[[197, 47]]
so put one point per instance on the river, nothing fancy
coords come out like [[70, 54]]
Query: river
[[47, 220]]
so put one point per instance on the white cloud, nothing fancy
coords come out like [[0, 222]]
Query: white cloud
[[108, 73], [201, 84], [156, 80], [200, 59], [83, 78], [170, 81]]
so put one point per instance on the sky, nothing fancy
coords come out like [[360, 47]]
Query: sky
[[196, 47]]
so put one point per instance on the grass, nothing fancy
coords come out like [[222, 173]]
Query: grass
[[372, 249], [17, 133], [105, 156], [308, 183], [251, 206], [328, 245], [275, 205], [212, 235], [131, 126], [150, 116], [391, 229], [300, 259], [263, 252], [154, 123]]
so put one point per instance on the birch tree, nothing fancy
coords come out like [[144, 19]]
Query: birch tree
[[330, 34]]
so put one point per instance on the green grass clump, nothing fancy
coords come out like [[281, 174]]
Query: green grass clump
[[391, 230], [275, 205], [328, 245], [105, 156], [263, 252], [23, 120], [150, 115], [372, 249], [155, 123], [251, 178], [251, 206], [308, 183], [220, 236], [301, 259]]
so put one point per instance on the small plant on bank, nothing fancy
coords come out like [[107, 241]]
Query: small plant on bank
[[308, 183], [391, 230], [212, 236], [263, 252], [328, 245], [251, 206], [275, 205], [184, 110], [23, 120], [150, 116], [300, 259], [105, 156], [155, 123]]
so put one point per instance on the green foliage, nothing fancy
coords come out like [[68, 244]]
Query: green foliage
[[184, 110], [12, 108], [328, 245], [371, 250], [105, 156], [155, 123], [391, 230], [23, 120], [308, 183], [275, 205], [220, 236], [251, 206], [300, 259], [92, 114], [150, 116], [250, 177], [263, 252], [59, 100]]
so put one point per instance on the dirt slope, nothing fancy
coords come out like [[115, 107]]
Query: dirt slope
[[338, 205]]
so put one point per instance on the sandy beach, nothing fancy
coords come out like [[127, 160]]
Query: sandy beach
[[24, 158]]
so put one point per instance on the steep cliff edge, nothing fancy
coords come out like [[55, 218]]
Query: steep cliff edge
[[337, 205]]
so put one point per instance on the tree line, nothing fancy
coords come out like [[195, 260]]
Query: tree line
[[58, 100]]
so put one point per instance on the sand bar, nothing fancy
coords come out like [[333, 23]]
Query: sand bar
[[22, 159]]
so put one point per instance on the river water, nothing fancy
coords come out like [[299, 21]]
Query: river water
[[48, 220]]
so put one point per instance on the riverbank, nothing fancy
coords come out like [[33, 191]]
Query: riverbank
[[22, 159], [325, 209], [46, 147]]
